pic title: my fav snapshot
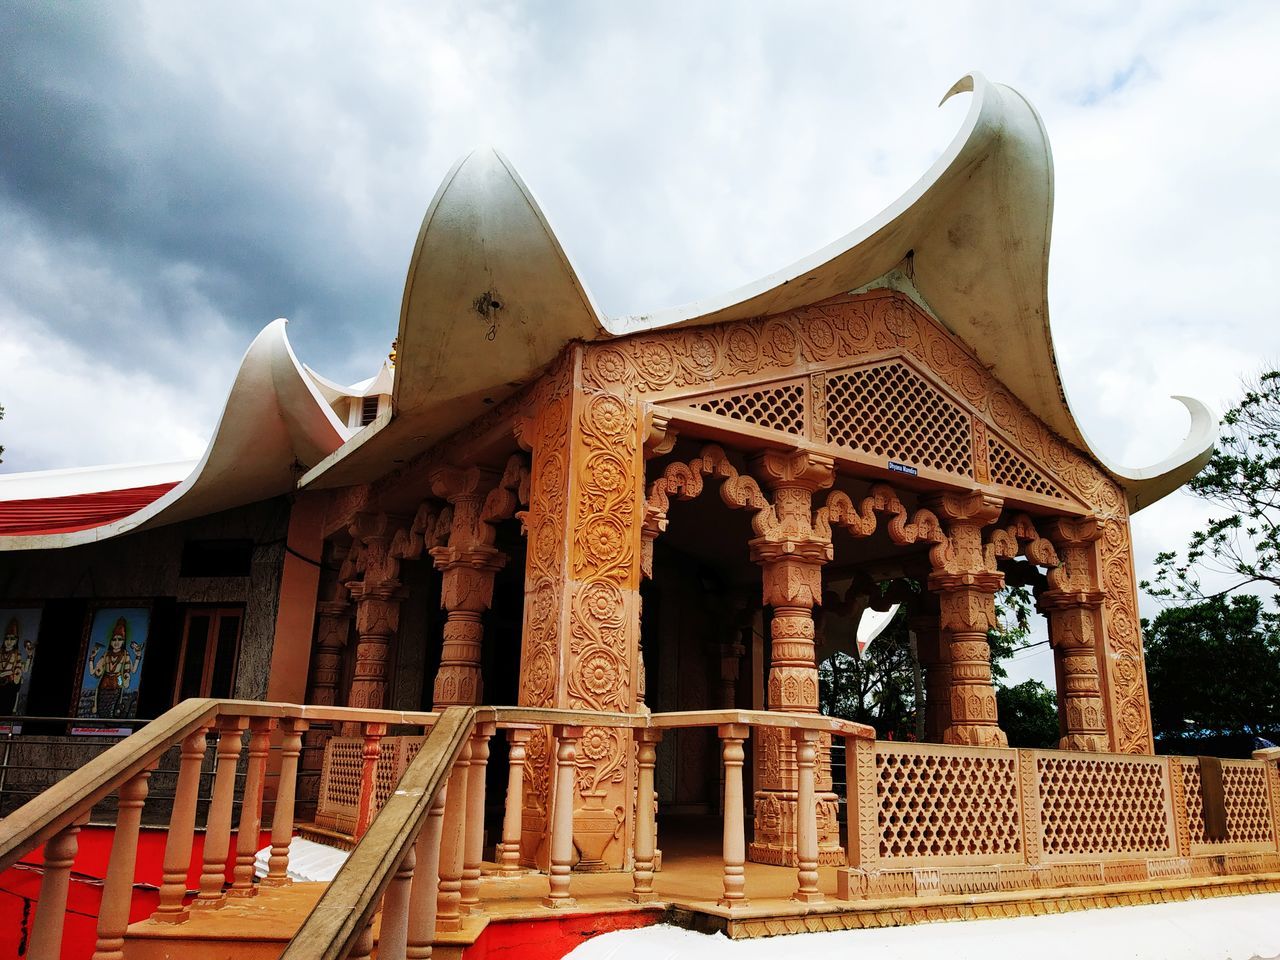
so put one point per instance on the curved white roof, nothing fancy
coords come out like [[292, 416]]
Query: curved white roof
[[274, 419], [491, 297], [74, 481], [331, 390]]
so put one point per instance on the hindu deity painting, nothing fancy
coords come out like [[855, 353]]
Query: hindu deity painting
[[111, 671], [21, 628]]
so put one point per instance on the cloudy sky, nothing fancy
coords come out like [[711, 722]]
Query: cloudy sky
[[174, 176]]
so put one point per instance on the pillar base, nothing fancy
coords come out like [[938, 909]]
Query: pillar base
[[975, 736], [1087, 743], [775, 830]]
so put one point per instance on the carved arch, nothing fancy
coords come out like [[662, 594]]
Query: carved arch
[[429, 528], [1020, 538], [684, 481], [860, 520]]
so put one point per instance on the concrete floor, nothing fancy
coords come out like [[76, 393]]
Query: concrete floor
[[1204, 929], [1224, 928]]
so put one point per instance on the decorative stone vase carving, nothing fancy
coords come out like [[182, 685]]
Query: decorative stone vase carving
[[594, 826]]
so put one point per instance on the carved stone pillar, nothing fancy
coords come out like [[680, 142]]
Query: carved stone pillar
[[935, 659], [377, 598], [730, 668], [582, 602], [966, 582], [791, 555], [1073, 604], [468, 563], [333, 626]]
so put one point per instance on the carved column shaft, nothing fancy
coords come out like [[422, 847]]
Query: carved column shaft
[[468, 564], [791, 555], [377, 621], [333, 625], [935, 659], [377, 598], [966, 582], [1073, 605]]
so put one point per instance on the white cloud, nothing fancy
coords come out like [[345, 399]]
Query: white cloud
[[679, 149]]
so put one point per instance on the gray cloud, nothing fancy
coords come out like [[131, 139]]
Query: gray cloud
[[174, 176]]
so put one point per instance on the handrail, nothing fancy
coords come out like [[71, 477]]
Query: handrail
[[348, 903], [42, 817], [71, 798]]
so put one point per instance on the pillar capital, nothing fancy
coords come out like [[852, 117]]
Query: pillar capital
[[795, 469], [461, 483], [973, 507], [1051, 600], [983, 580], [1072, 531], [378, 564], [334, 608]]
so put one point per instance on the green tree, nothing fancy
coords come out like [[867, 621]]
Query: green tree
[[1240, 548], [1028, 714], [1028, 711], [879, 687], [1213, 668]]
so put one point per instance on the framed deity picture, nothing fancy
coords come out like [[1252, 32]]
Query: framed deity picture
[[21, 626], [110, 668]]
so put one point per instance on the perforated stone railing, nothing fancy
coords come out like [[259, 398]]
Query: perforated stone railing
[[1247, 803], [343, 775], [1102, 806], [931, 820], [940, 803]]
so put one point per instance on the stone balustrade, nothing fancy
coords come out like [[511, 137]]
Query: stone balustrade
[[924, 820]]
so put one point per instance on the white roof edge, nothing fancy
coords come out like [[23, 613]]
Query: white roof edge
[[703, 310], [872, 623], [274, 417], [73, 481], [989, 126]]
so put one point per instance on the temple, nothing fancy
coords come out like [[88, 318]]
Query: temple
[[568, 578]]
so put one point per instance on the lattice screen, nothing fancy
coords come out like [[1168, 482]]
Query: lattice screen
[[888, 411], [1102, 806], [779, 407], [338, 803], [1244, 787], [1011, 470], [935, 804]]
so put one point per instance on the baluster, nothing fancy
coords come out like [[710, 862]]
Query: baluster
[[426, 882], [735, 841], [393, 939], [509, 849], [362, 949], [806, 817], [646, 822], [453, 838], [562, 816], [217, 831], [182, 826], [117, 891], [250, 828], [51, 911], [286, 791], [373, 734], [473, 851]]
